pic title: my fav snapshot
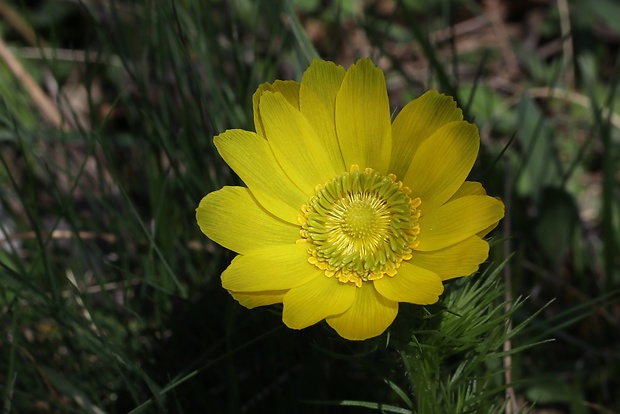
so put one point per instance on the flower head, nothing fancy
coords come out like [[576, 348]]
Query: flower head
[[345, 213]]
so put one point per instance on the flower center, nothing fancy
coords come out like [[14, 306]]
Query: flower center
[[360, 226]]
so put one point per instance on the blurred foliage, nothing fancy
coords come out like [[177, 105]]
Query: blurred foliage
[[109, 293]]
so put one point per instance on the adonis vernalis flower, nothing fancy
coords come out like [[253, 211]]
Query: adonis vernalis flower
[[345, 213]]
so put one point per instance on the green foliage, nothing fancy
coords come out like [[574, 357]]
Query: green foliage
[[454, 358]]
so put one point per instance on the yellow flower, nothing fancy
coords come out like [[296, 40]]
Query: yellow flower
[[346, 214]]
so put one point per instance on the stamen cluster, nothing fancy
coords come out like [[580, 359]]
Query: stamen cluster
[[360, 226]]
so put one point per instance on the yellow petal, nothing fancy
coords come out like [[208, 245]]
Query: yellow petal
[[461, 259], [317, 101], [363, 117], [486, 231], [233, 218], [473, 188], [270, 268], [458, 220], [254, 299], [417, 121], [251, 158], [469, 188], [369, 315], [411, 284], [312, 302], [295, 144], [290, 90], [442, 163]]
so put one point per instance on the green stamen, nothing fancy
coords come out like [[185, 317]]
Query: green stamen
[[360, 226]]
